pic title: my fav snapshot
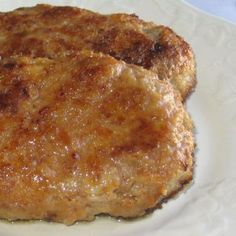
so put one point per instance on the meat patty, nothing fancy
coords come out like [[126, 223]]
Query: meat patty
[[47, 31], [87, 134]]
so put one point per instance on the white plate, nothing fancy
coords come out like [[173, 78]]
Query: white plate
[[209, 206]]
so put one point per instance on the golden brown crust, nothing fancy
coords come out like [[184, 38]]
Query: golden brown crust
[[87, 134], [48, 31]]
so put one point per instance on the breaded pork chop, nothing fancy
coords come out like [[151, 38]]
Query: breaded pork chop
[[88, 134], [47, 31]]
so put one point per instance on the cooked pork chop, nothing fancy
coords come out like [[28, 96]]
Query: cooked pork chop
[[87, 134], [47, 31]]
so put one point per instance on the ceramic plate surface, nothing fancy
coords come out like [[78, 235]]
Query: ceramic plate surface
[[209, 206]]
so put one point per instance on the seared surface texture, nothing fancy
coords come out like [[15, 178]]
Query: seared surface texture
[[86, 134], [48, 31]]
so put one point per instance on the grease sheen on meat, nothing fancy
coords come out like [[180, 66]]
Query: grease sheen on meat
[[87, 134], [47, 31]]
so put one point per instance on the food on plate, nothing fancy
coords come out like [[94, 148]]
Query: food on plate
[[46, 31], [85, 134]]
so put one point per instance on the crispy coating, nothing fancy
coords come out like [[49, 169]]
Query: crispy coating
[[87, 134], [47, 31]]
